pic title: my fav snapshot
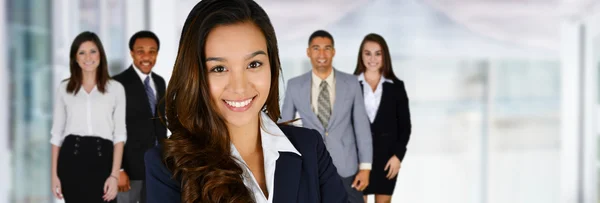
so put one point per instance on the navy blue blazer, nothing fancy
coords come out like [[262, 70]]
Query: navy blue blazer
[[309, 178]]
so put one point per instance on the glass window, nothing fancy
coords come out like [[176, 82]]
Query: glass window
[[30, 60]]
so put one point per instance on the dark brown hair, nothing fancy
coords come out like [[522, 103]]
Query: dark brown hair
[[141, 35], [76, 78], [199, 151], [320, 33], [386, 70]]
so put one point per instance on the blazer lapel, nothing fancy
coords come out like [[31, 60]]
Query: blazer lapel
[[341, 86], [362, 87], [288, 172], [160, 93], [139, 90], [385, 92], [307, 105], [160, 90]]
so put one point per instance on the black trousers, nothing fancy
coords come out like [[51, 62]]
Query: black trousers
[[84, 164]]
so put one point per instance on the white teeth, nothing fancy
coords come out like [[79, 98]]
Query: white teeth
[[239, 104], [321, 61], [146, 64]]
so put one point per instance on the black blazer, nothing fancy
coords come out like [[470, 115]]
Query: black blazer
[[392, 124], [143, 128], [311, 177]]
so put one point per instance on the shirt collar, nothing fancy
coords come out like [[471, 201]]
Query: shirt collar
[[139, 73], [273, 139], [317, 80], [361, 78]]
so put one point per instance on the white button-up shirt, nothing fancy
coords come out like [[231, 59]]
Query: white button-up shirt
[[372, 98], [89, 114], [316, 90], [273, 142], [143, 77]]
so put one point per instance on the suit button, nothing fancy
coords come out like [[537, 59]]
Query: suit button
[[99, 148], [98, 140], [99, 153], [76, 145], [77, 138], [75, 152]]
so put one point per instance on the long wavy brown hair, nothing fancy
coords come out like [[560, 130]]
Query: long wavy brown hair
[[386, 70], [76, 78], [198, 153]]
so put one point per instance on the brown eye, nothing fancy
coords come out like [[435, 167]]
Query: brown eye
[[218, 69], [254, 64]]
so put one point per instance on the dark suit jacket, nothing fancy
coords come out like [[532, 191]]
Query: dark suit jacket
[[311, 177], [392, 127], [143, 128]]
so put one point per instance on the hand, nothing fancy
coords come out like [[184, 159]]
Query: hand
[[362, 180], [124, 185], [392, 167], [56, 187], [110, 188]]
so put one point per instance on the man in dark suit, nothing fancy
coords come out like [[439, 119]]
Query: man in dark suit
[[145, 129]]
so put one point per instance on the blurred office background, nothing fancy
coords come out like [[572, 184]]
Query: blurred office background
[[503, 94]]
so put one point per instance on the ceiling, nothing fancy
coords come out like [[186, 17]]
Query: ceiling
[[525, 23]]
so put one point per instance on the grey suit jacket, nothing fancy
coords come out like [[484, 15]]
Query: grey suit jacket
[[348, 134]]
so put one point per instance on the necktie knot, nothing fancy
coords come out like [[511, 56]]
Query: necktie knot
[[323, 84]]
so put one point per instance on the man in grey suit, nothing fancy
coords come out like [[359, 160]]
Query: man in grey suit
[[331, 102]]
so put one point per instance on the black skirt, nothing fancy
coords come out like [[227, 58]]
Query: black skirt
[[378, 183], [84, 164]]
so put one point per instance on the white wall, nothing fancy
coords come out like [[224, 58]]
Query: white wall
[[570, 186], [164, 23], [134, 22], [590, 88]]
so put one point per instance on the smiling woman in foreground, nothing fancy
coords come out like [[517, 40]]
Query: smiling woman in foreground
[[222, 104]]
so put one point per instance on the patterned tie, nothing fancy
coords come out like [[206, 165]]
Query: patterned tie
[[150, 94], [324, 107]]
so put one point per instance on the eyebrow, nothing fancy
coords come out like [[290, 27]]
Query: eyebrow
[[84, 50], [317, 46], [142, 48], [249, 56]]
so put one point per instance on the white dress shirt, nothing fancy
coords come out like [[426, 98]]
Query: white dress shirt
[[273, 142], [89, 114], [372, 98], [316, 89], [143, 77]]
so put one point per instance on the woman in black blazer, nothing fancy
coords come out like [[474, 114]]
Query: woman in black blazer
[[386, 103], [221, 106]]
